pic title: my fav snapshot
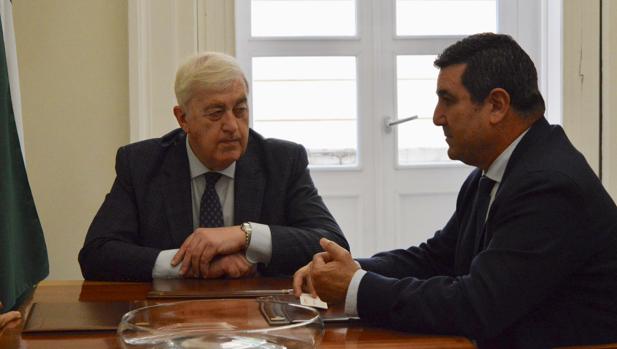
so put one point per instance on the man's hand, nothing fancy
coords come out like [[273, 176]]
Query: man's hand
[[233, 265], [203, 245], [302, 281], [8, 317], [328, 275]]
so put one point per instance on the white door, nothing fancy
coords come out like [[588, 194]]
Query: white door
[[328, 74]]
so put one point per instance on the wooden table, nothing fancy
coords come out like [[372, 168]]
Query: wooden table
[[353, 335]]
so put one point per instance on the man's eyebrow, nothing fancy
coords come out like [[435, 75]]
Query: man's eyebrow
[[219, 104], [214, 105]]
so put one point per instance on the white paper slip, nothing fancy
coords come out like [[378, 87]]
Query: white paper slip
[[308, 300]]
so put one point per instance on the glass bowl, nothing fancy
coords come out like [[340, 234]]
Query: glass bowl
[[222, 323]]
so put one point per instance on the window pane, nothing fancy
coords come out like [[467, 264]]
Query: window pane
[[419, 140], [445, 17], [303, 18], [311, 101]]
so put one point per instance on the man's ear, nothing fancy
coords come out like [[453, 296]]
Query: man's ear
[[499, 101], [180, 117]]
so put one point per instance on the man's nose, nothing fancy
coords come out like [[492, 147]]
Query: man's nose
[[229, 121], [438, 116]]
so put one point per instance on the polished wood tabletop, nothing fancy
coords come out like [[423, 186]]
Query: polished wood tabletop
[[339, 335]]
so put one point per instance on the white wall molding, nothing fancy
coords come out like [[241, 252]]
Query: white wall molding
[[139, 71], [161, 35], [216, 23], [551, 80]]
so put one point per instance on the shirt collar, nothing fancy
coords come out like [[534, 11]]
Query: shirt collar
[[197, 168], [498, 167]]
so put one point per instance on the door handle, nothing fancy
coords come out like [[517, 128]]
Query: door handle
[[389, 123]]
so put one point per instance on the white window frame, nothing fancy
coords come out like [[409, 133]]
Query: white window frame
[[248, 47]]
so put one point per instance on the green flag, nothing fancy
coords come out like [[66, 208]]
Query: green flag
[[23, 254]]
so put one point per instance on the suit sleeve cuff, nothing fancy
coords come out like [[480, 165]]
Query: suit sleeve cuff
[[351, 299], [162, 266], [260, 247]]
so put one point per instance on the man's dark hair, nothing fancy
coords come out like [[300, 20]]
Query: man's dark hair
[[496, 60]]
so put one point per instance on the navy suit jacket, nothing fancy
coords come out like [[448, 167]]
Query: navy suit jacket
[[149, 207], [548, 276]]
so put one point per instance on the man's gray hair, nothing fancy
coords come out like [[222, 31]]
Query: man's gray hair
[[206, 71]]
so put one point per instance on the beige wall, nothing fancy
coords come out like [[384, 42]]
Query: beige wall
[[581, 77], [609, 98], [584, 73], [73, 62]]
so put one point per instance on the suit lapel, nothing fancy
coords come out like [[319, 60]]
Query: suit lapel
[[177, 192], [249, 185], [538, 131]]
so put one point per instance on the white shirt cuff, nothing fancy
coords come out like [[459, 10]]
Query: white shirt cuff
[[351, 299], [162, 267], [260, 247]]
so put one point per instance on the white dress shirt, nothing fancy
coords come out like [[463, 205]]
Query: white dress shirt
[[260, 247], [494, 172]]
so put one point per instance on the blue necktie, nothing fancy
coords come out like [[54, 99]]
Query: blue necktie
[[210, 211], [483, 198]]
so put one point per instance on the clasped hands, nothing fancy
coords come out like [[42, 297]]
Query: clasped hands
[[217, 252], [328, 275], [213, 253]]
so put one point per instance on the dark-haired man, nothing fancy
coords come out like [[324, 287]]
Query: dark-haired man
[[529, 257]]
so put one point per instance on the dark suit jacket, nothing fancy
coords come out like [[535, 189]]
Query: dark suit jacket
[[149, 207], [548, 276]]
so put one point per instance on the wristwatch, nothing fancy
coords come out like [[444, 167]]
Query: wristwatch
[[248, 231]]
